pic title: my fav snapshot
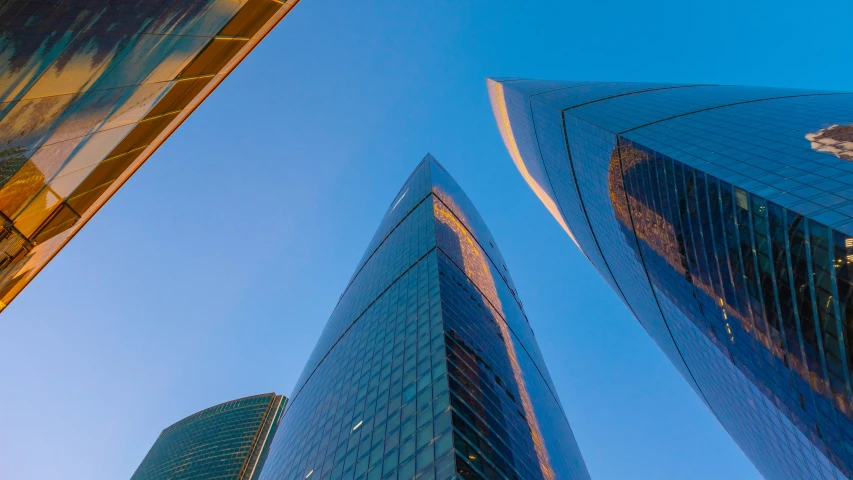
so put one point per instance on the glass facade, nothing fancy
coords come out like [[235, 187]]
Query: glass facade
[[427, 367], [88, 90], [228, 442], [723, 218]]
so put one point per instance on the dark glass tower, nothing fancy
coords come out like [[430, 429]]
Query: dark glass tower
[[427, 367], [723, 217], [89, 89], [228, 442]]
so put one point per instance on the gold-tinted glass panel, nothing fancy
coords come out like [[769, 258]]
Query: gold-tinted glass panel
[[180, 95], [87, 93], [97, 182], [83, 201], [37, 211], [215, 55], [63, 219], [251, 18], [144, 133], [8, 288], [25, 183]]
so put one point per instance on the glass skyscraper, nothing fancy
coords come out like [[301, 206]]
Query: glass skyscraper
[[722, 217], [89, 89], [227, 442], [427, 367]]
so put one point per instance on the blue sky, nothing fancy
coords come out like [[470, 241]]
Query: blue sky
[[211, 273]]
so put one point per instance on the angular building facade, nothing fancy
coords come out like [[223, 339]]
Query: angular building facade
[[723, 218], [427, 367], [229, 442], [88, 91]]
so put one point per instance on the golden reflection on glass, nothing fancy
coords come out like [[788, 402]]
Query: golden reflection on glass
[[476, 267], [81, 108], [835, 140], [19, 189], [77, 69], [86, 158], [658, 234], [24, 122], [656, 231], [496, 93]]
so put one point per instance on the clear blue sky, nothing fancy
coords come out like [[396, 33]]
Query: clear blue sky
[[211, 273]]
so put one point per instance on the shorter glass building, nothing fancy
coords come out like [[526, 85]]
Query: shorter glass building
[[227, 442]]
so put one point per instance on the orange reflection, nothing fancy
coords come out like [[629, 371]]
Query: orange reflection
[[658, 233], [496, 92], [476, 267], [78, 117]]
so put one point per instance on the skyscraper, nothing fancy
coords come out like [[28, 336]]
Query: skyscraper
[[229, 442], [427, 367], [88, 91], [723, 218]]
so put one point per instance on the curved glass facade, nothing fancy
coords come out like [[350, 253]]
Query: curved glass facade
[[229, 441], [723, 218], [427, 367], [88, 91]]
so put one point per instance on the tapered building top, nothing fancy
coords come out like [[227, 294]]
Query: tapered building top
[[723, 217], [428, 365], [802, 130]]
